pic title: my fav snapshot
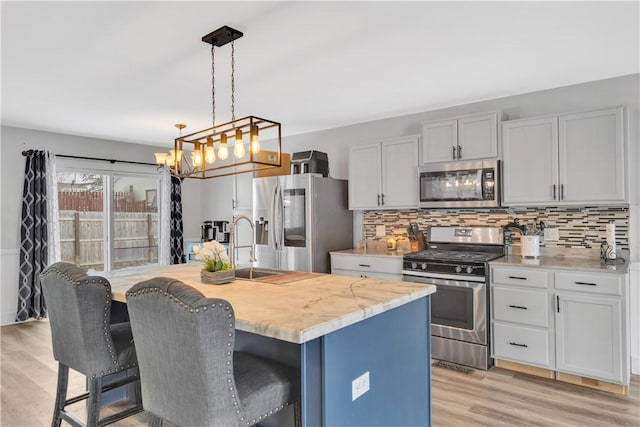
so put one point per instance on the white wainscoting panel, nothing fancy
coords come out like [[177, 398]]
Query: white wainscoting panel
[[10, 261]]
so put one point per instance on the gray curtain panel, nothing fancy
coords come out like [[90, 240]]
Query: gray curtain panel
[[177, 240], [33, 234]]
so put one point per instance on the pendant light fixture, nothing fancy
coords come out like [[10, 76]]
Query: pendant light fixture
[[203, 162]]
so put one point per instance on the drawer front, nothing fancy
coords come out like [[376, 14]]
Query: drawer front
[[520, 277], [589, 282], [521, 344], [521, 306], [390, 265]]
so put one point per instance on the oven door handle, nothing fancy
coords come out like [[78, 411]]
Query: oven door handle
[[455, 282], [433, 278]]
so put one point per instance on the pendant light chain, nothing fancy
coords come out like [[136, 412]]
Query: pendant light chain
[[233, 81], [213, 86]]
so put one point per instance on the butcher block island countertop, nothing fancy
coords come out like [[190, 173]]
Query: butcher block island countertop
[[295, 307]]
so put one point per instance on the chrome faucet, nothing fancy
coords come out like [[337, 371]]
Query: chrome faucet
[[233, 247]]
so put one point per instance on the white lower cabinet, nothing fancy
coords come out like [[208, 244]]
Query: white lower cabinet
[[589, 336], [527, 345], [367, 266], [572, 322]]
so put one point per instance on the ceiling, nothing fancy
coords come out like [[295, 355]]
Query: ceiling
[[129, 71]]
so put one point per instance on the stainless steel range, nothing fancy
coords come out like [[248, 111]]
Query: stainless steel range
[[456, 262]]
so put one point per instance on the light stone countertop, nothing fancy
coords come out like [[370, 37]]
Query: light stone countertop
[[297, 311], [563, 263]]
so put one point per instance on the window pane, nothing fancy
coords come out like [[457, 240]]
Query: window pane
[[80, 201], [135, 221]]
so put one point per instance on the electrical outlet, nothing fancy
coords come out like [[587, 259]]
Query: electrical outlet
[[551, 235], [380, 231], [360, 386]]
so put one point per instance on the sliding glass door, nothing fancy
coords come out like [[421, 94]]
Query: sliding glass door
[[108, 221]]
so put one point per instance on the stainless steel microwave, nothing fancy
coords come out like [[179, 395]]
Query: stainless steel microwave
[[472, 184]]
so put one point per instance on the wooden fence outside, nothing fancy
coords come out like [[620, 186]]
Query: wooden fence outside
[[92, 201], [82, 238]]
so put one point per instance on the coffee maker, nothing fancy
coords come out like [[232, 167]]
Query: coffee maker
[[207, 232], [214, 230]]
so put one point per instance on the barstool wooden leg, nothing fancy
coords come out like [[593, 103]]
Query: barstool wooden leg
[[61, 394], [93, 404]]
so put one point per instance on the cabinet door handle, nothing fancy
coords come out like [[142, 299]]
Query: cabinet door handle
[[554, 191], [364, 265], [586, 283], [453, 153], [518, 306], [459, 152], [558, 303], [378, 200], [561, 192], [518, 345], [383, 199], [517, 277]]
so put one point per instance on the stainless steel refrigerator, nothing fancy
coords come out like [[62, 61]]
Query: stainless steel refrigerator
[[298, 220]]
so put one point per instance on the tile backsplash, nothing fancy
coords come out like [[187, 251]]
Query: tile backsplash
[[579, 227]]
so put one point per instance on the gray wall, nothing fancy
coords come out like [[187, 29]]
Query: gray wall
[[623, 90], [16, 140]]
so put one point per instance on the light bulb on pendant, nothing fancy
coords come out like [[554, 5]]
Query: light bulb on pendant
[[209, 152], [238, 146], [196, 155], [255, 141], [223, 151]]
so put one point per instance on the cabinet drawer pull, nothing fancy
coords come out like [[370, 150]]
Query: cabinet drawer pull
[[517, 277], [518, 306], [364, 265], [586, 283], [518, 345]]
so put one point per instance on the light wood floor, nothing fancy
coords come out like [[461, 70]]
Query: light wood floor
[[494, 398]]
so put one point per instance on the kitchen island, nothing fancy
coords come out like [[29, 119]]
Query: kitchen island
[[345, 335]]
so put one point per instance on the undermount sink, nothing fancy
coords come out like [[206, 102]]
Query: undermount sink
[[256, 273]]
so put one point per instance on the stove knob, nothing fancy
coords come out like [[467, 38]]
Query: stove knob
[[424, 266], [458, 269], [414, 265], [469, 270]]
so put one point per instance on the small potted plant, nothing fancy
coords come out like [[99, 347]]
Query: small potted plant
[[217, 269]]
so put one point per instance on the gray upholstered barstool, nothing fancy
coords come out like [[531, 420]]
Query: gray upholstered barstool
[[189, 372], [85, 340]]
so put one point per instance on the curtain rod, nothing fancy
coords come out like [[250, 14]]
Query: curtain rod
[[24, 153]]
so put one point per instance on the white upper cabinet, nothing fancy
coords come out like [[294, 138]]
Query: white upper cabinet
[[567, 159], [365, 171], [591, 152], [464, 138], [384, 175], [529, 160]]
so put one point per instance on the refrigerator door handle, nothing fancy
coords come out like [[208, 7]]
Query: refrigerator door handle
[[276, 218]]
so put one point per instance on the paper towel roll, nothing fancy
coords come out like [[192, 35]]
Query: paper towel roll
[[611, 233], [611, 240]]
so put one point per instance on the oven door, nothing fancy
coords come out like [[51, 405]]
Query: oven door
[[458, 309]]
